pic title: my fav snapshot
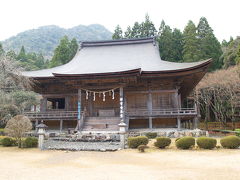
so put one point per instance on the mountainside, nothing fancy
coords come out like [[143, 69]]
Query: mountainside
[[44, 39]]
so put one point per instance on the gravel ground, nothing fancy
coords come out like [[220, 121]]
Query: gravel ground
[[81, 146], [155, 164]]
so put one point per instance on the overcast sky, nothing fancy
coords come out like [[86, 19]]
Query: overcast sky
[[20, 15]]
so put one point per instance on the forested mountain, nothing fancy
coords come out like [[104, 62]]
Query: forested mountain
[[46, 38]]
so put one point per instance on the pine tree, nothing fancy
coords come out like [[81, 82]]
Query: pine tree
[[147, 28], [117, 33], [177, 45], [128, 33], [136, 30], [166, 43], [170, 43], [61, 53], [190, 43], [209, 46], [64, 52], [73, 48], [22, 55]]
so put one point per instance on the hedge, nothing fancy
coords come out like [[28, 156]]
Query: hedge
[[30, 142], [151, 135], [185, 142], [134, 142], [230, 142], [206, 142], [162, 142]]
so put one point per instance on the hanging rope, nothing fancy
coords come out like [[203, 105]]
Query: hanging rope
[[110, 91]]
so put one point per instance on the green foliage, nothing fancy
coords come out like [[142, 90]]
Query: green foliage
[[151, 135], [134, 142], [2, 132], [140, 30], [7, 111], [162, 142], [209, 45], [230, 142], [170, 43], [7, 141], [147, 28], [185, 142], [24, 99], [118, 33], [64, 52], [231, 54], [45, 39], [191, 47], [30, 142], [141, 148], [206, 142]]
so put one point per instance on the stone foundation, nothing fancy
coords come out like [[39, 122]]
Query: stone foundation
[[171, 133]]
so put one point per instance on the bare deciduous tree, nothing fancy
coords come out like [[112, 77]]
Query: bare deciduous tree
[[17, 127]]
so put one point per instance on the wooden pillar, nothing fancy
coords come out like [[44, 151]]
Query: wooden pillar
[[79, 108], [61, 125], [36, 123], [43, 105], [195, 123], [178, 123], [149, 105], [121, 100]]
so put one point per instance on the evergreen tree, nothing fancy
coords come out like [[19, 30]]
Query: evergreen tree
[[209, 45], [39, 62], [73, 48], [161, 28], [128, 33], [166, 43], [190, 43], [61, 53], [136, 30], [117, 33], [177, 45], [147, 28], [1, 50], [170, 43], [64, 52], [22, 55]]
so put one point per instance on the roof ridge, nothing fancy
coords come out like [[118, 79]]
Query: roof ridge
[[118, 42]]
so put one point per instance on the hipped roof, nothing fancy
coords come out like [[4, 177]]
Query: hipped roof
[[115, 56]]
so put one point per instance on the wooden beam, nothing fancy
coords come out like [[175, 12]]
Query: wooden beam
[[79, 107]]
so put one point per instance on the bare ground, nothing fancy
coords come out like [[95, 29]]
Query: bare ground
[[33, 164]]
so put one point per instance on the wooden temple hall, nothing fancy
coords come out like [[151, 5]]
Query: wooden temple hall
[[108, 82]]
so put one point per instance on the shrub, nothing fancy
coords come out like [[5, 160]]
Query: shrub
[[230, 142], [206, 142], [185, 142], [162, 142], [142, 148], [134, 142], [30, 142], [7, 141], [2, 132], [151, 135], [177, 139]]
